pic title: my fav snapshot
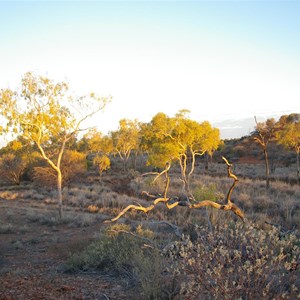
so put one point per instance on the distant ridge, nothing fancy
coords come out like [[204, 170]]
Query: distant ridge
[[238, 127]]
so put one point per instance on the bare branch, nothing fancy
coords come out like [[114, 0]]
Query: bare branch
[[229, 206], [129, 207], [205, 203]]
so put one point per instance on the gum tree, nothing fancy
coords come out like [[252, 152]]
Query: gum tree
[[263, 135], [126, 139], [180, 139], [288, 135], [46, 114]]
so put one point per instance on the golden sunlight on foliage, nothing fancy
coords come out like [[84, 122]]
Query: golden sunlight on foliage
[[44, 112], [102, 163]]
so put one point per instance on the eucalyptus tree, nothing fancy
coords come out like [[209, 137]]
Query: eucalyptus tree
[[47, 114], [179, 139], [126, 139], [288, 134], [263, 134]]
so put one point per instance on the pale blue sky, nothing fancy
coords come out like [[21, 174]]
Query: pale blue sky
[[218, 59]]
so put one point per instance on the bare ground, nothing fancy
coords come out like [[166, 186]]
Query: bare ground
[[32, 258]]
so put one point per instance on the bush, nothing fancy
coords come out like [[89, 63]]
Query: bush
[[102, 163], [73, 166], [12, 167], [237, 262], [126, 255], [209, 192]]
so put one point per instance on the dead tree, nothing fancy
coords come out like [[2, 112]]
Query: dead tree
[[185, 202]]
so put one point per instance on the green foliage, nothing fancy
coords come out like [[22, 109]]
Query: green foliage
[[102, 163], [93, 141], [123, 253], [73, 166], [126, 139], [180, 140], [289, 132], [209, 192], [43, 112], [163, 153]]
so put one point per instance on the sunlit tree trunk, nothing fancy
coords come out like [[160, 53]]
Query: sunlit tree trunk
[[265, 133], [59, 176], [184, 176]]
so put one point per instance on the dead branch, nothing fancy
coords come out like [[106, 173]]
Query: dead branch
[[155, 202], [145, 193], [136, 207], [229, 206], [205, 203]]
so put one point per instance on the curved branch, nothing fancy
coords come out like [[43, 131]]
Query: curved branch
[[167, 168], [231, 175], [228, 206], [135, 207]]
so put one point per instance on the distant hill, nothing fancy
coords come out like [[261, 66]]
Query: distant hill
[[237, 127]]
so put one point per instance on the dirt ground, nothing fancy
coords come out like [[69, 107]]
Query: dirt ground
[[32, 258]]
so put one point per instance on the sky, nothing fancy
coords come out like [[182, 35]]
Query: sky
[[222, 60]]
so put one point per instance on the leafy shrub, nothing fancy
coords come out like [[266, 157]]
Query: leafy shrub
[[234, 262], [126, 255], [7, 228], [73, 166], [12, 167], [208, 192], [102, 163]]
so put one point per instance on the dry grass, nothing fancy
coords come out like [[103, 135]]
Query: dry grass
[[71, 219], [249, 261]]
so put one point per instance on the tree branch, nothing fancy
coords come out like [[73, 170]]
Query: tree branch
[[228, 206]]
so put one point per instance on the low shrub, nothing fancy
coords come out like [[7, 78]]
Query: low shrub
[[237, 262], [207, 192], [128, 255], [7, 228]]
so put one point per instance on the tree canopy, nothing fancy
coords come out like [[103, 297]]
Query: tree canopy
[[47, 114], [179, 139]]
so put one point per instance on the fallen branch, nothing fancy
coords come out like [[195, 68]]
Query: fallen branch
[[229, 206], [205, 203]]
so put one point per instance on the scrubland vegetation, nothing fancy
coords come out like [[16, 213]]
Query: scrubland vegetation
[[158, 210]]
